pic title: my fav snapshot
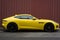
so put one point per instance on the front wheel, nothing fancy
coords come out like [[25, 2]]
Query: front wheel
[[49, 27]]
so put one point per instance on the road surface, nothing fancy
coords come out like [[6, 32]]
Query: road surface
[[31, 35]]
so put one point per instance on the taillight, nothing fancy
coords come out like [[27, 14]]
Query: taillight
[[4, 21]]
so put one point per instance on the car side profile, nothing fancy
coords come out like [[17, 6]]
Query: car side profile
[[27, 21]]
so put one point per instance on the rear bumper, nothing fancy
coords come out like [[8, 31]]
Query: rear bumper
[[4, 28]]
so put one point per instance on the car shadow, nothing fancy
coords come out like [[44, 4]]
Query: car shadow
[[30, 30], [25, 30]]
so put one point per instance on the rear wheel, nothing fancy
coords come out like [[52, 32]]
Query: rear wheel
[[49, 27], [12, 27]]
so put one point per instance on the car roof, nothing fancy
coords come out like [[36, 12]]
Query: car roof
[[23, 14]]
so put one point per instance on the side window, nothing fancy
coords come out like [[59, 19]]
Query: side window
[[24, 17]]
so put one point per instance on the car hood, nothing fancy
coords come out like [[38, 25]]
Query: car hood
[[47, 20]]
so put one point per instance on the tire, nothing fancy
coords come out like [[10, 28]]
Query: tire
[[12, 27], [49, 27]]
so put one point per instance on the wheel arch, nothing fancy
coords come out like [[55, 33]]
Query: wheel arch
[[48, 23], [12, 23]]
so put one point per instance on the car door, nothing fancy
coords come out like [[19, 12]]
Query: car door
[[28, 22]]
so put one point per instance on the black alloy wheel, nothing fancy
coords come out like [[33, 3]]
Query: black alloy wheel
[[49, 27], [12, 27]]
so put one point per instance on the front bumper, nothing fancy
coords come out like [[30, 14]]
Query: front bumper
[[57, 27]]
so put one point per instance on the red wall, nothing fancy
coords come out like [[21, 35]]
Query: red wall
[[49, 9], [0, 12]]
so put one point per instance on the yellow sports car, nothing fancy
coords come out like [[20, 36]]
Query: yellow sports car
[[27, 21]]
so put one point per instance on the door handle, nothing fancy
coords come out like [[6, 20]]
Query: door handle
[[41, 22]]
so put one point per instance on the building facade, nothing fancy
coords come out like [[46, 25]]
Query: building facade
[[49, 9]]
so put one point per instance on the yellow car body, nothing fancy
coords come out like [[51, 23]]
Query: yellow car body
[[28, 23]]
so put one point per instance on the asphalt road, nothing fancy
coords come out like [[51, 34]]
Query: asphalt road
[[29, 35]]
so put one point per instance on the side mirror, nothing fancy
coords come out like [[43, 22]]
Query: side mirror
[[15, 15], [34, 19]]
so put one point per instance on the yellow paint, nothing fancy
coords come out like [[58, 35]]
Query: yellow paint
[[28, 23]]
